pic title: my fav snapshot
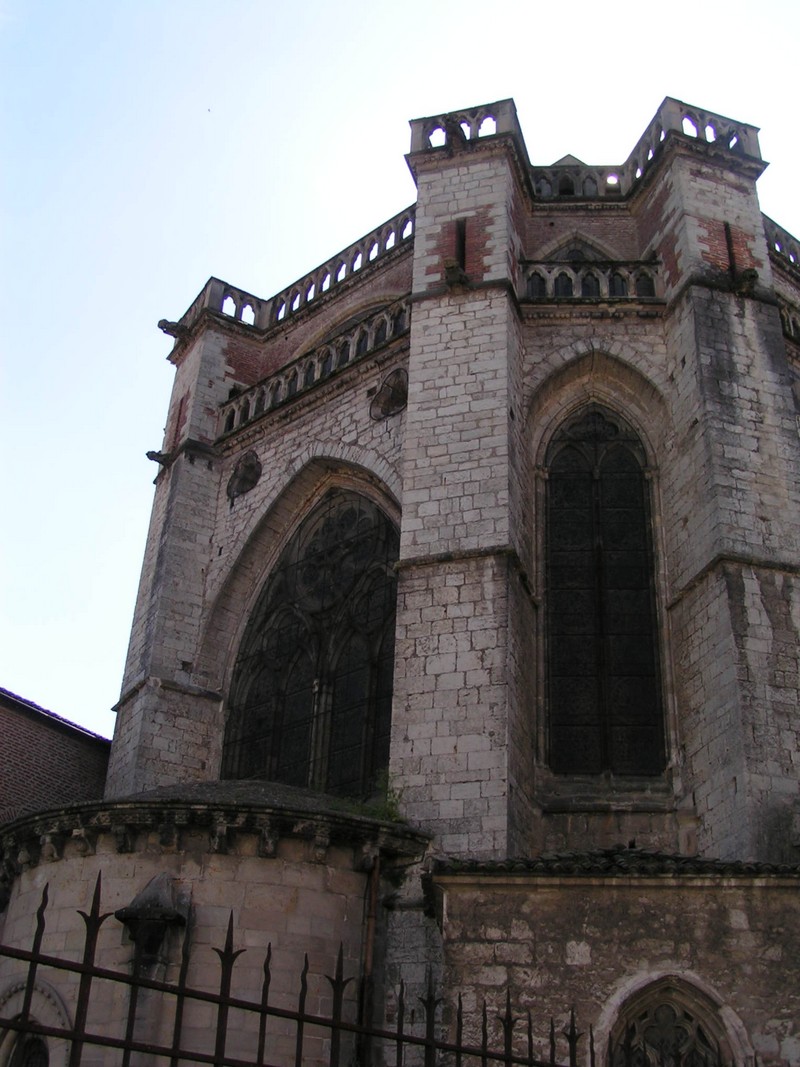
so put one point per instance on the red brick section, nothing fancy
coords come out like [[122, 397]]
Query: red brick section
[[478, 236], [715, 246], [45, 761]]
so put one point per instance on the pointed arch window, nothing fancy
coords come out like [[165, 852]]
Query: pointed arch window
[[670, 1023], [310, 701], [604, 689]]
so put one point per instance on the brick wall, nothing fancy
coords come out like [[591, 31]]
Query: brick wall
[[46, 762]]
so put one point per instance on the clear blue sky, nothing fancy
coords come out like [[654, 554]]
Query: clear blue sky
[[148, 144]]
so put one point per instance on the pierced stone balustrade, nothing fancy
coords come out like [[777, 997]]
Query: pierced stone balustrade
[[217, 295], [575, 180], [303, 373], [437, 131], [782, 246], [591, 280], [357, 258]]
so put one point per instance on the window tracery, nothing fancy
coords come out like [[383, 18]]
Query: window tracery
[[312, 687], [604, 690]]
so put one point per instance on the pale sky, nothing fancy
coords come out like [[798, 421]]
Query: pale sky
[[148, 144]]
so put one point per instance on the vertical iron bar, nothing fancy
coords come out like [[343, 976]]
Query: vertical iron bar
[[484, 1037], [552, 1042], [530, 1040], [301, 1012], [591, 1047], [180, 994], [36, 949], [338, 985], [401, 1015], [459, 1030], [262, 1019], [572, 1037], [93, 921], [227, 958], [430, 1002], [133, 1000], [506, 1020]]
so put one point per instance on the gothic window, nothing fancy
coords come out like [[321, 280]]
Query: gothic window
[[30, 1051], [604, 692], [563, 286], [669, 1026], [537, 287], [310, 702], [590, 285]]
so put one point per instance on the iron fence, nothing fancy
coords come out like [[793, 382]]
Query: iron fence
[[328, 1039]]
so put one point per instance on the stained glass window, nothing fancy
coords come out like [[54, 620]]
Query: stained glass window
[[604, 687], [310, 702]]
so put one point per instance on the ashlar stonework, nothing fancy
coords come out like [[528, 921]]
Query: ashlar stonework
[[534, 442]]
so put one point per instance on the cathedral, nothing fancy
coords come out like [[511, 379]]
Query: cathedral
[[466, 643]]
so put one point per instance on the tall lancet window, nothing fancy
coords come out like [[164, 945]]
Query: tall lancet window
[[604, 688], [310, 701]]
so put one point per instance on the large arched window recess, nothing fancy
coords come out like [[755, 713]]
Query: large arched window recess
[[310, 700], [605, 709]]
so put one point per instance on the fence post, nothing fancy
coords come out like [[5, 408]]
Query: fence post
[[93, 921], [338, 985], [227, 958]]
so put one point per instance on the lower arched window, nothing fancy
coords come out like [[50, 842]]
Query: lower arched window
[[669, 1024], [604, 690], [30, 1051], [310, 701]]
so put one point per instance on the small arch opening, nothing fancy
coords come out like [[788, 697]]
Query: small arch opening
[[357, 261], [291, 384], [295, 301], [281, 314], [590, 285], [344, 354], [408, 229], [229, 421], [688, 126], [308, 377], [244, 414], [380, 332], [229, 306], [248, 315], [362, 344], [465, 129], [390, 240], [711, 133], [310, 292], [589, 187], [341, 272], [537, 286], [373, 252], [566, 186], [563, 286], [326, 282], [488, 126], [612, 182], [437, 137], [645, 285], [617, 285]]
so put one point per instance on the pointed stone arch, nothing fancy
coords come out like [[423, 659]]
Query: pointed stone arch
[[309, 480], [46, 1008], [657, 1018]]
